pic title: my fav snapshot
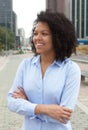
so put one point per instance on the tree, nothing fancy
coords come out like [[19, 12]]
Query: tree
[[7, 39]]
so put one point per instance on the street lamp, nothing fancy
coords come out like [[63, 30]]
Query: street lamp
[[6, 30], [5, 17]]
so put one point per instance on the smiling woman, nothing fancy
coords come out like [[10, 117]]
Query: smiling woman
[[26, 11], [46, 86]]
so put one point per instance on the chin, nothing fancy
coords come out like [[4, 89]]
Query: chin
[[39, 52]]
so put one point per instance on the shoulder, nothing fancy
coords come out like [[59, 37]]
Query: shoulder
[[72, 66], [27, 62]]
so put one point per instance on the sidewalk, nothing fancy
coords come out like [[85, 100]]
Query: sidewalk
[[3, 61], [80, 116], [12, 121]]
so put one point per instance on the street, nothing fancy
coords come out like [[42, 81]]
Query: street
[[8, 120], [12, 121]]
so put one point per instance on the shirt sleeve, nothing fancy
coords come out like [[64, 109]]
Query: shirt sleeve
[[20, 106], [72, 86]]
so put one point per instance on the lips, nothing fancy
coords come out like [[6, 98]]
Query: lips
[[39, 45]]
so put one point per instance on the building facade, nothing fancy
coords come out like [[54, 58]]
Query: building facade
[[61, 6], [7, 16], [21, 34], [79, 16], [75, 10], [15, 28]]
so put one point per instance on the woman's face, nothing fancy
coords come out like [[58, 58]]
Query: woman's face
[[42, 38]]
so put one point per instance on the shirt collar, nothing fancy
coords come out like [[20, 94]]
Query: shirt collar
[[36, 60], [59, 63]]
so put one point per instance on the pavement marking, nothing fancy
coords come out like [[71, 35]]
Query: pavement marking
[[3, 62], [82, 107]]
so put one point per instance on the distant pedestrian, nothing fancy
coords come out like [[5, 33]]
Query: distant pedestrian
[[46, 86]]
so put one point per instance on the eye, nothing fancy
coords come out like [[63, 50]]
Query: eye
[[45, 34], [35, 33]]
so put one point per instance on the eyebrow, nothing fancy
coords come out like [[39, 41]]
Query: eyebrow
[[43, 30]]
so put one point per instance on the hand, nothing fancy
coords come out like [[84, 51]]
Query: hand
[[59, 113], [19, 93]]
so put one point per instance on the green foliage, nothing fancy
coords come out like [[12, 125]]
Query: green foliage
[[7, 39]]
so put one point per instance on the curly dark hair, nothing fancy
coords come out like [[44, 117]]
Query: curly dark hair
[[63, 33]]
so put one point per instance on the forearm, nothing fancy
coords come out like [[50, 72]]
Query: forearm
[[41, 109], [54, 111]]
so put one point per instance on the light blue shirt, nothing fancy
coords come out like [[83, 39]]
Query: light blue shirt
[[60, 85]]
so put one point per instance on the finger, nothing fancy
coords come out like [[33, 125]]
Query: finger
[[21, 90], [19, 95], [17, 92], [62, 121], [67, 110], [15, 95], [66, 117], [67, 113]]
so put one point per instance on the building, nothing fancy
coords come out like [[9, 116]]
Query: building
[[75, 10], [21, 34], [61, 6], [7, 16], [79, 16], [15, 28]]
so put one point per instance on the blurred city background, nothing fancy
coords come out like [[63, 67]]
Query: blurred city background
[[12, 37], [15, 46]]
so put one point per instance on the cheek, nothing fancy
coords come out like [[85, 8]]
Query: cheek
[[50, 42]]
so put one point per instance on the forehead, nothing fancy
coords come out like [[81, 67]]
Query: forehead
[[42, 26]]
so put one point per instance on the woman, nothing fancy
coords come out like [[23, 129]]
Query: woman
[[46, 86]]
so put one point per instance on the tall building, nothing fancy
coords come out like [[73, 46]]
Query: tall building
[[15, 28], [79, 16], [75, 10], [21, 34], [59, 6], [7, 16]]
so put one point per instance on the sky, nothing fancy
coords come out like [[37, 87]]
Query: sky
[[26, 11]]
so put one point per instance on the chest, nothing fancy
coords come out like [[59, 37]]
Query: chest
[[47, 88]]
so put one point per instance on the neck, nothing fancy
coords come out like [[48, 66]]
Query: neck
[[47, 59]]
